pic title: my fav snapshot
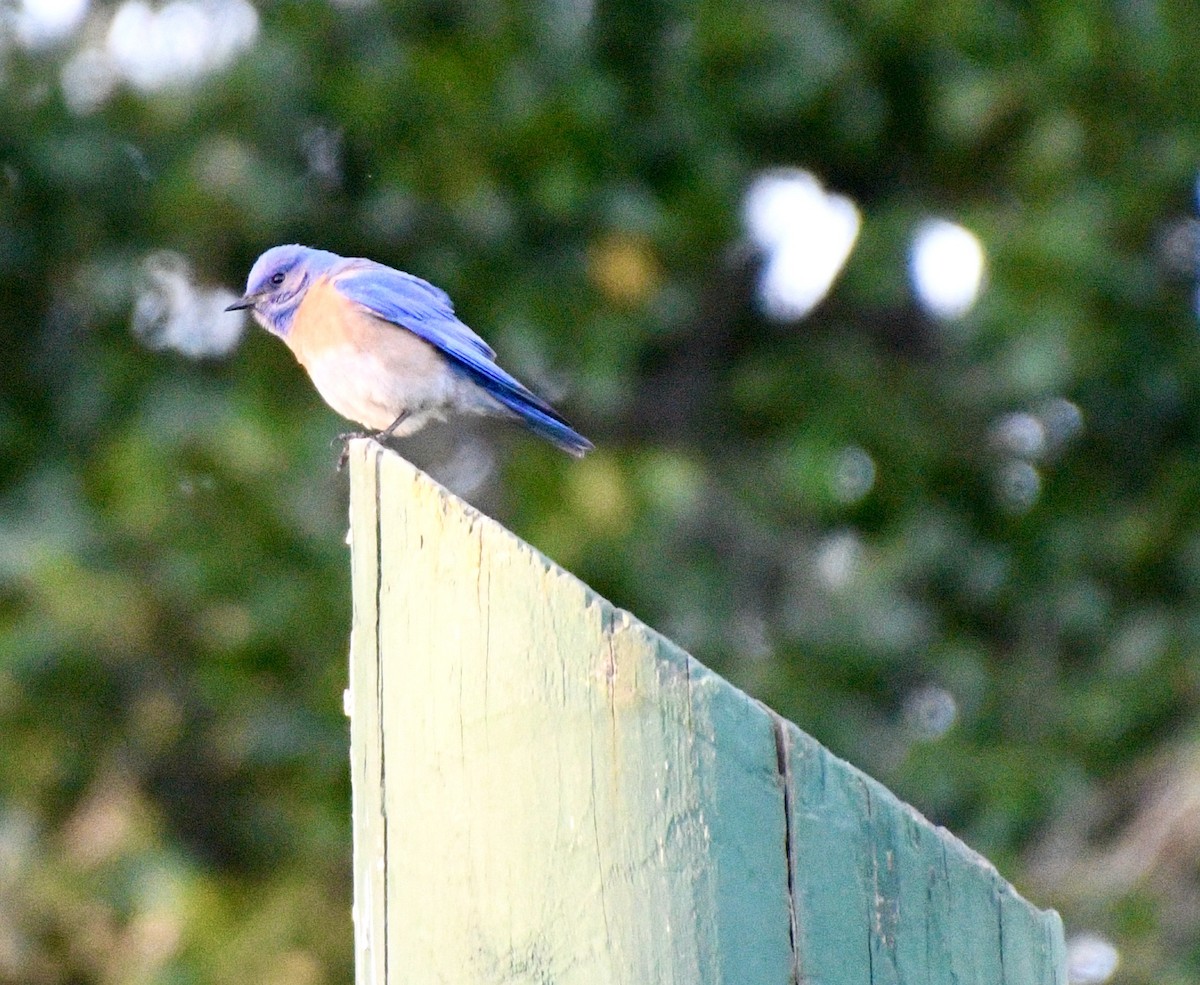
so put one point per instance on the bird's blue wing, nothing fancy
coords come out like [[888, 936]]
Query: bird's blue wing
[[412, 303], [427, 312]]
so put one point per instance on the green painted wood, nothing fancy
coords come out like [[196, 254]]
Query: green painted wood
[[364, 706], [882, 896], [547, 791]]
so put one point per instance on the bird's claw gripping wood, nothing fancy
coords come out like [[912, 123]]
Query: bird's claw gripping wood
[[344, 440]]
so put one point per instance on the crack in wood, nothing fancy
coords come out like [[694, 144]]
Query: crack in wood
[[783, 765], [379, 698]]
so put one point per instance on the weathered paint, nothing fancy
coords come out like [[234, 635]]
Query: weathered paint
[[547, 791]]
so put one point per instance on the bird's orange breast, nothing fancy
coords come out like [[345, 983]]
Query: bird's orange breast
[[366, 368], [324, 320]]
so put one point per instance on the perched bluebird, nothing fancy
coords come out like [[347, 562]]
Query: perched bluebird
[[384, 348]]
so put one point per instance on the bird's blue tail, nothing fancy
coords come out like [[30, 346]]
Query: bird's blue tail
[[537, 415], [544, 421]]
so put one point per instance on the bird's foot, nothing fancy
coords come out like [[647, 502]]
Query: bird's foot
[[383, 436], [344, 440]]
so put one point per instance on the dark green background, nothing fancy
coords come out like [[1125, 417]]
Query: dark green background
[[174, 586]]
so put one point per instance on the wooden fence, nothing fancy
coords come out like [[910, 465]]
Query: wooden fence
[[546, 791]]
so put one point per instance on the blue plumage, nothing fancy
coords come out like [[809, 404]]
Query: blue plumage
[[331, 347], [428, 312]]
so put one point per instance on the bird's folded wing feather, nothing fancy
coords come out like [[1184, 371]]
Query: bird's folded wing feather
[[416, 305], [410, 302]]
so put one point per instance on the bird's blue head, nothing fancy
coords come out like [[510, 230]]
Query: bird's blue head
[[278, 282]]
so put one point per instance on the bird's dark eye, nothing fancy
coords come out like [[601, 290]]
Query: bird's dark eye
[[277, 278]]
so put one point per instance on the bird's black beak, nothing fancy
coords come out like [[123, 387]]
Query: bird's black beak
[[241, 303]]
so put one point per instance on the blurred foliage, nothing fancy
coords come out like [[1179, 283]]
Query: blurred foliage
[[1022, 663]]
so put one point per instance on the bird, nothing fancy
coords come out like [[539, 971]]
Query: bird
[[385, 349]]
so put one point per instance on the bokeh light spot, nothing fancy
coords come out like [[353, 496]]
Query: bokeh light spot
[[180, 42], [839, 559], [1091, 960], [853, 474], [624, 269], [1061, 420], [171, 312], [946, 264], [87, 79], [1018, 486], [930, 711], [1020, 434], [37, 23], [601, 496], [805, 235]]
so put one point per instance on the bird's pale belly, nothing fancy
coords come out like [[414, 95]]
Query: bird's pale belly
[[363, 388]]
